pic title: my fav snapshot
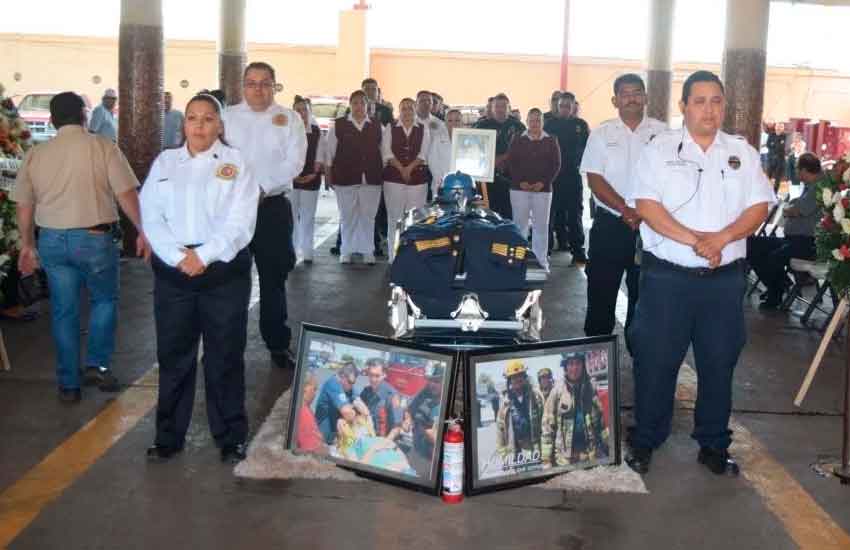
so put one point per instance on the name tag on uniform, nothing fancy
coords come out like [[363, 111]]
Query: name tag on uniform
[[612, 144], [675, 163]]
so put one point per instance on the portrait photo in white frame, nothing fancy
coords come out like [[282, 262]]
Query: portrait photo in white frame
[[474, 153]]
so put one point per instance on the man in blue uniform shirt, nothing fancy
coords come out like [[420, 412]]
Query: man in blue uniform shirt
[[336, 392], [700, 192]]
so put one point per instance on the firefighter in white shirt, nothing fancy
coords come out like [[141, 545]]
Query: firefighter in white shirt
[[700, 193], [199, 208], [609, 159], [273, 140]]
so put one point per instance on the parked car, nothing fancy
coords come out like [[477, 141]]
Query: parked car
[[34, 108], [326, 109]]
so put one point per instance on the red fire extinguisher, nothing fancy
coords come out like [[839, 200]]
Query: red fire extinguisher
[[453, 463]]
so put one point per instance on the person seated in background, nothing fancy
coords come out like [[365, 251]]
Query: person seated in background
[[770, 256]]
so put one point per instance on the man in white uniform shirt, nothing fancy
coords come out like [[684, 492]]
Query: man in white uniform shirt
[[438, 156], [274, 143], [700, 192], [611, 154]]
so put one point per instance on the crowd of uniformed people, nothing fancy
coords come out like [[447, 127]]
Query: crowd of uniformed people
[[673, 209]]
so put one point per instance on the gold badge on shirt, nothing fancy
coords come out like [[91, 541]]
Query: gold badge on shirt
[[226, 172], [280, 119], [734, 162]]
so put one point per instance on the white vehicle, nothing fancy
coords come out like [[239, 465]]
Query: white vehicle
[[326, 109]]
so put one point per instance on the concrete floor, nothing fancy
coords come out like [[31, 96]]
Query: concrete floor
[[194, 501]]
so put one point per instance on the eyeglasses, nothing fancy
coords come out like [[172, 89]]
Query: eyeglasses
[[254, 85]]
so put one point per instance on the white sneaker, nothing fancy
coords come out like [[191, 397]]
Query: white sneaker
[[369, 259], [345, 258]]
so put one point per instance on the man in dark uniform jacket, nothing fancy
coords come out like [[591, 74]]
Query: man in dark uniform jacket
[[507, 128], [567, 201]]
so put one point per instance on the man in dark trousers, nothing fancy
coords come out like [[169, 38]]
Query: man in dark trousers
[[507, 128], [567, 200], [609, 160], [273, 140]]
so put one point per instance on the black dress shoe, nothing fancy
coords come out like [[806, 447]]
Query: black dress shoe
[[233, 453], [639, 459], [335, 251], [283, 359], [160, 453], [102, 378], [770, 303], [718, 461], [70, 395]]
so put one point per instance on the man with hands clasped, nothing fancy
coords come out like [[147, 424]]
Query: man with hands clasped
[[700, 192]]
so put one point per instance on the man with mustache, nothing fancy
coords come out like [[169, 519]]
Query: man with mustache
[[609, 161]]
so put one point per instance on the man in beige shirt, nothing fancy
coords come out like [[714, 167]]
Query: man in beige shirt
[[68, 188]]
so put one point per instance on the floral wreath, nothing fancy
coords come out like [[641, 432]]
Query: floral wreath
[[832, 234]]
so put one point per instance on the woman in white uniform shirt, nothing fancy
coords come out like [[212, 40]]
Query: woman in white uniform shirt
[[199, 209]]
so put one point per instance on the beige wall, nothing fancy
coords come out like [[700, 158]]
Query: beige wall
[[62, 62]]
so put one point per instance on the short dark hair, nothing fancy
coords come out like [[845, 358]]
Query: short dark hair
[[502, 96], [809, 162], [568, 95], [435, 95], [423, 92], [700, 76], [556, 94], [220, 95], [450, 111], [357, 93], [369, 80], [534, 110], [67, 108], [628, 78], [261, 66]]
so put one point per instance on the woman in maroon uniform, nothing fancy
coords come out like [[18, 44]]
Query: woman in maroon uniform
[[534, 160], [306, 186], [405, 173], [354, 163]]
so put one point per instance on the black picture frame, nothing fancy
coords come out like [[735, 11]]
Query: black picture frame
[[486, 465], [412, 371]]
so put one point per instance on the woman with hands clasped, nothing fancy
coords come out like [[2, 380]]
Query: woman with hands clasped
[[199, 210], [533, 161], [405, 146]]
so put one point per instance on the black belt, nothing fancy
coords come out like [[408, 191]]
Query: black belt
[[103, 227], [648, 260]]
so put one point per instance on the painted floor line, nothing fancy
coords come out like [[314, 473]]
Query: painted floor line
[[23, 501], [808, 525]]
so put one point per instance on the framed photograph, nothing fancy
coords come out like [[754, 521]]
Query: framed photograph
[[373, 405], [474, 153], [540, 410]]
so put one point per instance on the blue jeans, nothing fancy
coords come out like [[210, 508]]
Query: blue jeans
[[74, 258]]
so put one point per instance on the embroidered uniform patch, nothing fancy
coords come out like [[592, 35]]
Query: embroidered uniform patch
[[226, 172], [280, 119]]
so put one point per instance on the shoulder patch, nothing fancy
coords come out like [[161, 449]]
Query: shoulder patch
[[280, 119]]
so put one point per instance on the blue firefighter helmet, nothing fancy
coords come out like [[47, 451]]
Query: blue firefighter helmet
[[457, 188]]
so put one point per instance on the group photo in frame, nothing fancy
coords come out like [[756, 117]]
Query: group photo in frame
[[540, 410], [474, 153], [372, 405]]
